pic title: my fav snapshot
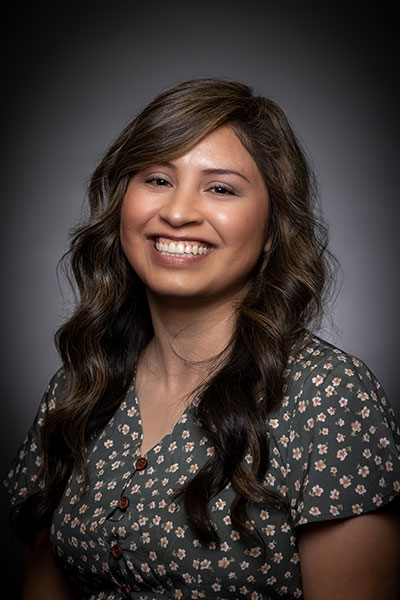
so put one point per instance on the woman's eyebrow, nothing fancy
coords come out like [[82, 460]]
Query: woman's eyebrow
[[224, 172], [210, 171]]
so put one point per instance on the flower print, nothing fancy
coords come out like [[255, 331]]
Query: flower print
[[363, 471], [317, 380], [316, 401], [377, 499], [277, 557], [314, 511], [270, 530], [345, 481], [334, 495], [357, 509], [317, 490], [224, 547], [342, 454], [320, 465], [297, 453], [168, 526], [274, 423], [322, 448], [302, 406], [334, 510], [223, 563], [284, 440], [164, 542], [360, 489], [108, 443], [365, 412], [321, 417]]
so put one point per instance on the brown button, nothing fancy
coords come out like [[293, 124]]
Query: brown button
[[126, 592], [116, 551], [123, 503], [141, 463]]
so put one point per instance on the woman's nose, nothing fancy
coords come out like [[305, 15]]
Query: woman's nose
[[181, 207]]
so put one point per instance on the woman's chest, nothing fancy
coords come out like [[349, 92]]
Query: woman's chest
[[129, 529]]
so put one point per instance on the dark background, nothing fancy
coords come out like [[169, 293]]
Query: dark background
[[74, 75]]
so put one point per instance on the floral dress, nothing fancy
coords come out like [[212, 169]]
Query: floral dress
[[334, 452]]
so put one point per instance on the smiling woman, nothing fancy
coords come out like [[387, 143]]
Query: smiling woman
[[200, 441], [197, 226]]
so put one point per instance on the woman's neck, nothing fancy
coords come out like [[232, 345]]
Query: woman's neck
[[187, 342]]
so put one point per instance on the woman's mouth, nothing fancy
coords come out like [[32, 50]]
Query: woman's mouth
[[182, 248]]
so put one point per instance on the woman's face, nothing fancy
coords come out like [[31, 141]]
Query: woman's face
[[194, 227]]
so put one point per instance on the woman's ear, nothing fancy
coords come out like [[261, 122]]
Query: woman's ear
[[267, 244]]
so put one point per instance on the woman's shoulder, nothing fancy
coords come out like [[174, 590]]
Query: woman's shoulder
[[319, 374], [327, 392], [334, 436], [24, 470]]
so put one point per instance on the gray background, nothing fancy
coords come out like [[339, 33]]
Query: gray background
[[75, 75]]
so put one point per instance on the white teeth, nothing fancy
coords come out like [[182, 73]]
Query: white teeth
[[180, 248]]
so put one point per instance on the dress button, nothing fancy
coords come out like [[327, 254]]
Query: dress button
[[141, 463], [125, 592], [116, 551], [123, 503]]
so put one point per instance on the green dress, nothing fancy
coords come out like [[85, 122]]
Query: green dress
[[334, 452]]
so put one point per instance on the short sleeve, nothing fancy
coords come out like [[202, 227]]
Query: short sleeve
[[24, 471], [344, 454]]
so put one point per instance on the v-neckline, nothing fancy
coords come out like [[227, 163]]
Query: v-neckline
[[161, 442]]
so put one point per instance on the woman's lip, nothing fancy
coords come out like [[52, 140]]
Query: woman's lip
[[188, 240]]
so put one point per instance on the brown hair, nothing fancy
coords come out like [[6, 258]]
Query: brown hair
[[101, 343]]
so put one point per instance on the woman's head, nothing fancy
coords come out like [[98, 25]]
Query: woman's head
[[174, 122]]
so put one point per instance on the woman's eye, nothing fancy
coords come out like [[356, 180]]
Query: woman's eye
[[157, 181], [222, 190]]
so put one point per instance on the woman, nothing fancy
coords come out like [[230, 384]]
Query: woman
[[199, 441]]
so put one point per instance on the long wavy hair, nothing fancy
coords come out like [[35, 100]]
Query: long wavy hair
[[101, 343]]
